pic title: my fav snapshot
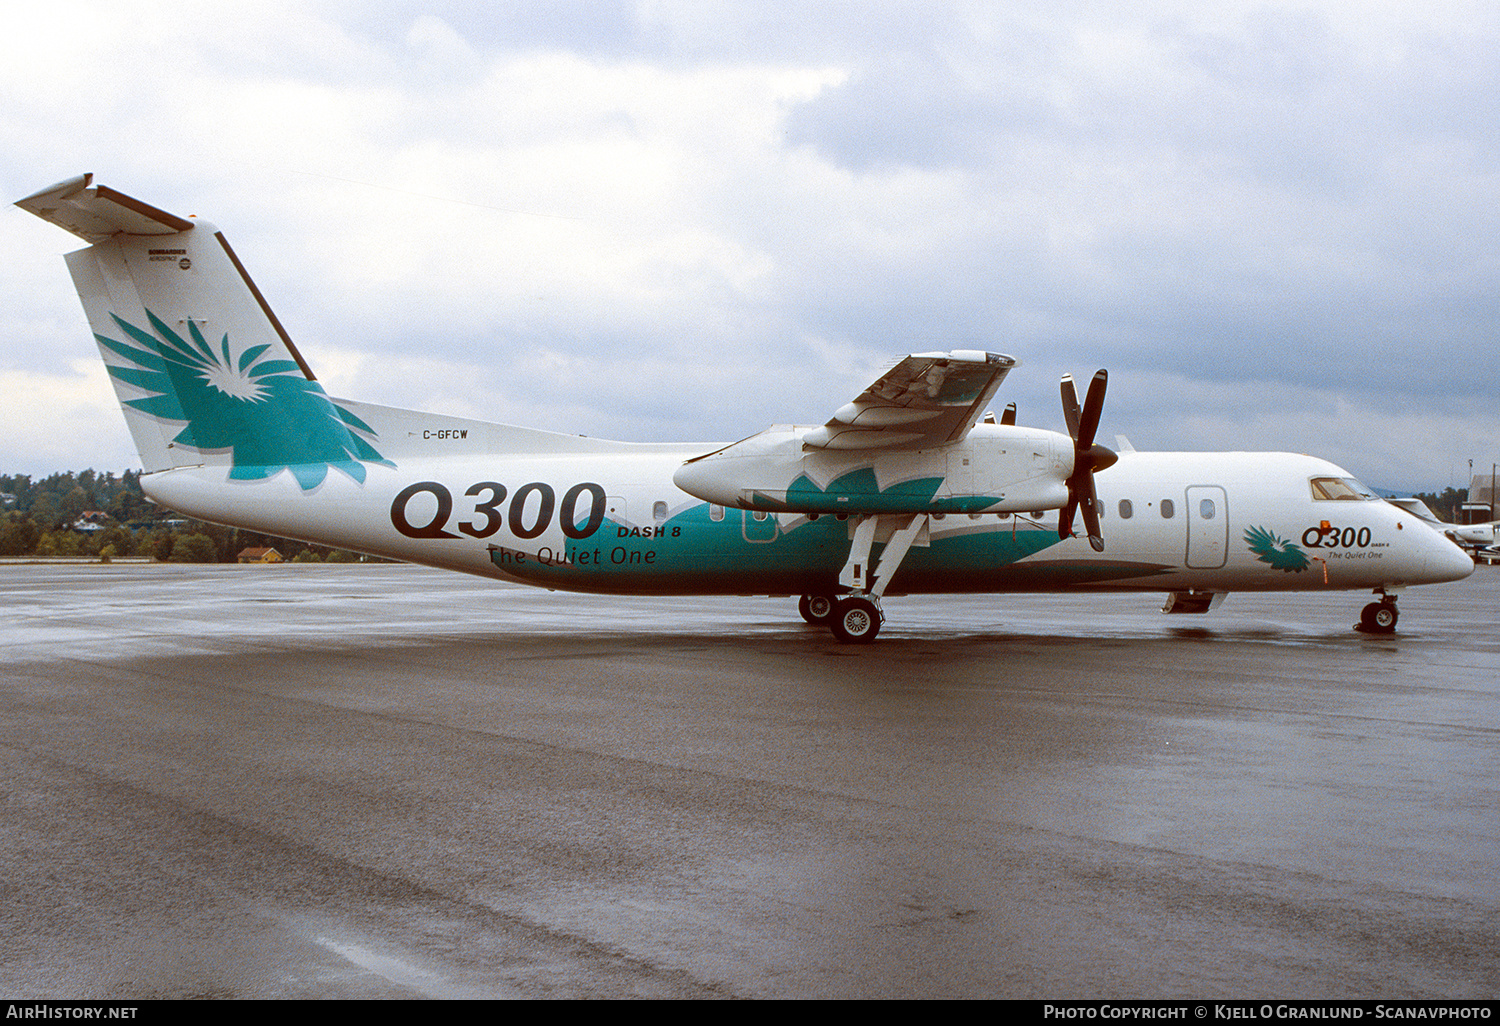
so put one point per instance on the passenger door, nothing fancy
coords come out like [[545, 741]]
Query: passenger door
[[1207, 527]]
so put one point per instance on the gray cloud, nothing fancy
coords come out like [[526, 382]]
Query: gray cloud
[[675, 218]]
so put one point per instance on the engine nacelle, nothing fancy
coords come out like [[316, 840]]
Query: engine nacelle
[[996, 469]]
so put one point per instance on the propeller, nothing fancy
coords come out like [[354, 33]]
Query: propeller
[[1087, 457]]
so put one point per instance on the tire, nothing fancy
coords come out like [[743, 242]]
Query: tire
[[855, 621], [1379, 618], [1385, 618], [816, 609]]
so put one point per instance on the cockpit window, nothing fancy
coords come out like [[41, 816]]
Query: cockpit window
[[1345, 488]]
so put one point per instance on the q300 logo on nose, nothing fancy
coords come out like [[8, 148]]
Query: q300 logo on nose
[[1328, 537]]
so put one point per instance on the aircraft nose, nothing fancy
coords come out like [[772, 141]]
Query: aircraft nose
[[1446, 561]]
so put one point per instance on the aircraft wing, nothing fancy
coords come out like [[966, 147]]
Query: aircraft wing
[[926, 400]]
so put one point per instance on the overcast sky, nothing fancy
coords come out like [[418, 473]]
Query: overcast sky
[[1277, 224]]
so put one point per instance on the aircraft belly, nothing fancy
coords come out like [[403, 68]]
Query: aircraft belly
[[691, 553]]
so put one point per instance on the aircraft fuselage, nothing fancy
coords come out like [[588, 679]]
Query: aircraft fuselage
[[610, 519]]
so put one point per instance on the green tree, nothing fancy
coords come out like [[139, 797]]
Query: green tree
[[1446, 505], [117, 539], [18, 535], [44, 511], [194, 548], [73, 505], [60, 543], [160, 542]]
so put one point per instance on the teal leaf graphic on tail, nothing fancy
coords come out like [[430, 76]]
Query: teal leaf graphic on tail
[[264, 411], [1278, 552]]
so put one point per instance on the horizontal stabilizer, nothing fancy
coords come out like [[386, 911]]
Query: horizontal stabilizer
[[97, 212]]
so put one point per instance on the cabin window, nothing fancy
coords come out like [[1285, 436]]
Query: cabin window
[[1207, 509], [1127, 509], [1167, 509], [658, 511], [760, 514], [715, 513]]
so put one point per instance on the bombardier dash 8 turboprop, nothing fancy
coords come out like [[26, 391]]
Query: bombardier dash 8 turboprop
[[912, 487]]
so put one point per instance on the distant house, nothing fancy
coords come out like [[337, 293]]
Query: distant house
[[259, 556], [91, 520]]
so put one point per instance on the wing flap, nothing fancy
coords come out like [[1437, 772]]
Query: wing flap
[[927, 399]]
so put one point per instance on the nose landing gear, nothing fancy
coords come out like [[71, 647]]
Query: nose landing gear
[[1379, 617]]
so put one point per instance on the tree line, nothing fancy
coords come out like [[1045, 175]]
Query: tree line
[[1448, 505], [45, 518]]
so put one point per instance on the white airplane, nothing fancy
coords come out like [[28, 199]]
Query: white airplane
[[1476, 539], [909, 488]]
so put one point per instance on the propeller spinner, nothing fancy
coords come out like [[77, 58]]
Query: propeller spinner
[[1087, 457]]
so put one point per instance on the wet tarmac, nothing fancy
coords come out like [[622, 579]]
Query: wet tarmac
[[384, 781]]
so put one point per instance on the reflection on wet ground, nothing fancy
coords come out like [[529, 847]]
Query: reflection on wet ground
[[388, 781]]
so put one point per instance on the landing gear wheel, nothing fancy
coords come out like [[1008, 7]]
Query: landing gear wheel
[[816, 609], [855, 621], [1379, 618]]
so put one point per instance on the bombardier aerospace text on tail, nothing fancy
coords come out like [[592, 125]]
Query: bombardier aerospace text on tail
[[913, 487]]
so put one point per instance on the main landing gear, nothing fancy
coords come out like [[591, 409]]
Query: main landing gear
[[816, 609], [855, 617], [1379, 617]]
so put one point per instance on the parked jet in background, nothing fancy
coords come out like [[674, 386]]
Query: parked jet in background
[[1477, 539], [910, 488]]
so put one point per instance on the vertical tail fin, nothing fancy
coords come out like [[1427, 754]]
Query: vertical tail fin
[[203, 370]]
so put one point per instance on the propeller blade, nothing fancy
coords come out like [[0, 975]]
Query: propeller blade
[[1087, 457], [1065, 519], [1070, 405], [1090, 507], [1093, 406], [1009, 416]]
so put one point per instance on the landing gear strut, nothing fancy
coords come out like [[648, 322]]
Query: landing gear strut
[[1379, 617], [855, 617]]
